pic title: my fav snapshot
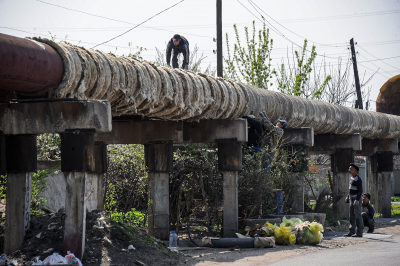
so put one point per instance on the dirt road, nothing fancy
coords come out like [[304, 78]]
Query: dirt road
[[386, 228]]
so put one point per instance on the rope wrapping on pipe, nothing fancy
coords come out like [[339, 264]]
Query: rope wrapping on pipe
[[135, 87]]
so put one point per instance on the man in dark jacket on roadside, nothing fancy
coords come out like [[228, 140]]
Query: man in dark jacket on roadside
[[355, 192], [178, 44], [368, 213]]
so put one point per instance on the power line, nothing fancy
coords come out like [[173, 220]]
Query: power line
[[116, 20], [139, 24], [254, 4], [379, 59], [375, 71], [375, 65], [277, 31]]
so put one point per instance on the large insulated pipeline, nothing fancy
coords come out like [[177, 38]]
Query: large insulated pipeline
[[136, 87], [28, 67]]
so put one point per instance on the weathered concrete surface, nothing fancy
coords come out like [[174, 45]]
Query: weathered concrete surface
[[205, 131], [298, 136], [159, 205], [340, 162], [158, 159], [230, 205], [373, 146], [215, 130], [141, 132], [379, 183], [55, 192], [54, 116], [75, 213], [18, 210], [329, 143], [94, 193]]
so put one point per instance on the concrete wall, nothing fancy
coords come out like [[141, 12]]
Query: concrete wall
[[56, 185]]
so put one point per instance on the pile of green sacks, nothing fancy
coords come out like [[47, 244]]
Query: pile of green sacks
[[294, 231]]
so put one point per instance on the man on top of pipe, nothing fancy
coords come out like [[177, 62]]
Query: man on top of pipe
[[178, 44]]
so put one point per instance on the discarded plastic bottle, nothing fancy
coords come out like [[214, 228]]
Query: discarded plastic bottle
[[173, 240]]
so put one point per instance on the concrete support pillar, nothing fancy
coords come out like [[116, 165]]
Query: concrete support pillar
[[75, 213], [158, 159], [230, 162], [298, 204], [230, 205], [95, 188], [340, 162], [21, 162], [381, 168], [77, 159], [300, 167]]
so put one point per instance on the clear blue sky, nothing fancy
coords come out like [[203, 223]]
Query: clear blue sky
[[374, 24]]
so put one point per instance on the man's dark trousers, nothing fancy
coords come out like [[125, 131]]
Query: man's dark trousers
[[356, 218], [175, 53], [369, 222]]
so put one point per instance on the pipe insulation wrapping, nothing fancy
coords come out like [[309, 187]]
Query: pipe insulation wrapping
[[135, 87]]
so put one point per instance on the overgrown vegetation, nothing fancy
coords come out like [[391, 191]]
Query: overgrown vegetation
[[126, 184]]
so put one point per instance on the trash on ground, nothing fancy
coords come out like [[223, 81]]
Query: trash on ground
[[289, 232], [57, 259]]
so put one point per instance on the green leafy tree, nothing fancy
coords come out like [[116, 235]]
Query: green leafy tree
[[252, 62], [295, 79]]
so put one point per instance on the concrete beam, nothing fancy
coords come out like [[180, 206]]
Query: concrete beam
[[206, 131], [329, 143], [298, 136], [17, 118], [214, 130], [372, 146], [142, 132]]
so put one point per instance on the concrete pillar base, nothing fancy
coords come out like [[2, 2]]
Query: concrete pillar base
[[75, 213], [158, 159], [230, 216], [341, 186], [18, 210], [159, 205], [94, 192], [298, 204], [381, 191]]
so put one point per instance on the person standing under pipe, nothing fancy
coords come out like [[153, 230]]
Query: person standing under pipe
[[355, 192], [178, 44]]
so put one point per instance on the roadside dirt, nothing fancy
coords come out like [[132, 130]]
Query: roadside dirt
[[107, 244], [240, 257]]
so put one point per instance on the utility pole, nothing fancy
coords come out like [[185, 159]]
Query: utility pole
[[220, 72], [359, 103]]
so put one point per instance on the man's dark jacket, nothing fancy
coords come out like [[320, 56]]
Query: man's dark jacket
[[182, 47]]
